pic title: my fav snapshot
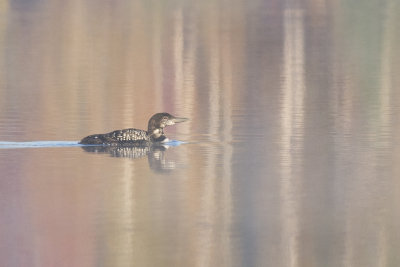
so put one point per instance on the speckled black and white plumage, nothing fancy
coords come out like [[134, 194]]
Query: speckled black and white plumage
[[132, 152], [119, 137], [136, 137]]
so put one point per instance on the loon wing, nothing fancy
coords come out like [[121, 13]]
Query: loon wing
[[130, 136], [127, 135]]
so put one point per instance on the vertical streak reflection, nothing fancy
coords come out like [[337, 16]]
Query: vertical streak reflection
[[214, 59], [157, 57], [178, 54], [227, 77], [3, 27], [189, 69], [292, 116], [209, 237], [386, 120], [386, 81], [128, 212]]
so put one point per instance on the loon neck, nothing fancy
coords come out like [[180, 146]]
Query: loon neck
[[156, 134], [159, 139]]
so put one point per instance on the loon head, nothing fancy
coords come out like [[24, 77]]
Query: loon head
[[158, 122]]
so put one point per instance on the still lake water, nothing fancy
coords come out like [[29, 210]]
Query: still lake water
[[293, 149]]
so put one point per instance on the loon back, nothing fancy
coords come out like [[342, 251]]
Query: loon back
[[135, 137], [119, 137]]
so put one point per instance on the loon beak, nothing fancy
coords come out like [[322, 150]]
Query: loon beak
[[178, 120]]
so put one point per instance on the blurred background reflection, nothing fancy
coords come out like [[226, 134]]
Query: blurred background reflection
[[293, 150]]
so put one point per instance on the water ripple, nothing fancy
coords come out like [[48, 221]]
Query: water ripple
[[33, 144]]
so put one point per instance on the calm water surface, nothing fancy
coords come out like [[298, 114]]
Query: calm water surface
[[293, 150]]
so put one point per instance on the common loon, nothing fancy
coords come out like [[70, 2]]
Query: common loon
[[135, 137]]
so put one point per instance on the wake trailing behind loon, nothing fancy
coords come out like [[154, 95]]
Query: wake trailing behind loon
[[135, 137]]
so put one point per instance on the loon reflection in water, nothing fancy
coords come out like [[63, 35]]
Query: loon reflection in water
[[134, 137], [155, 155]]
